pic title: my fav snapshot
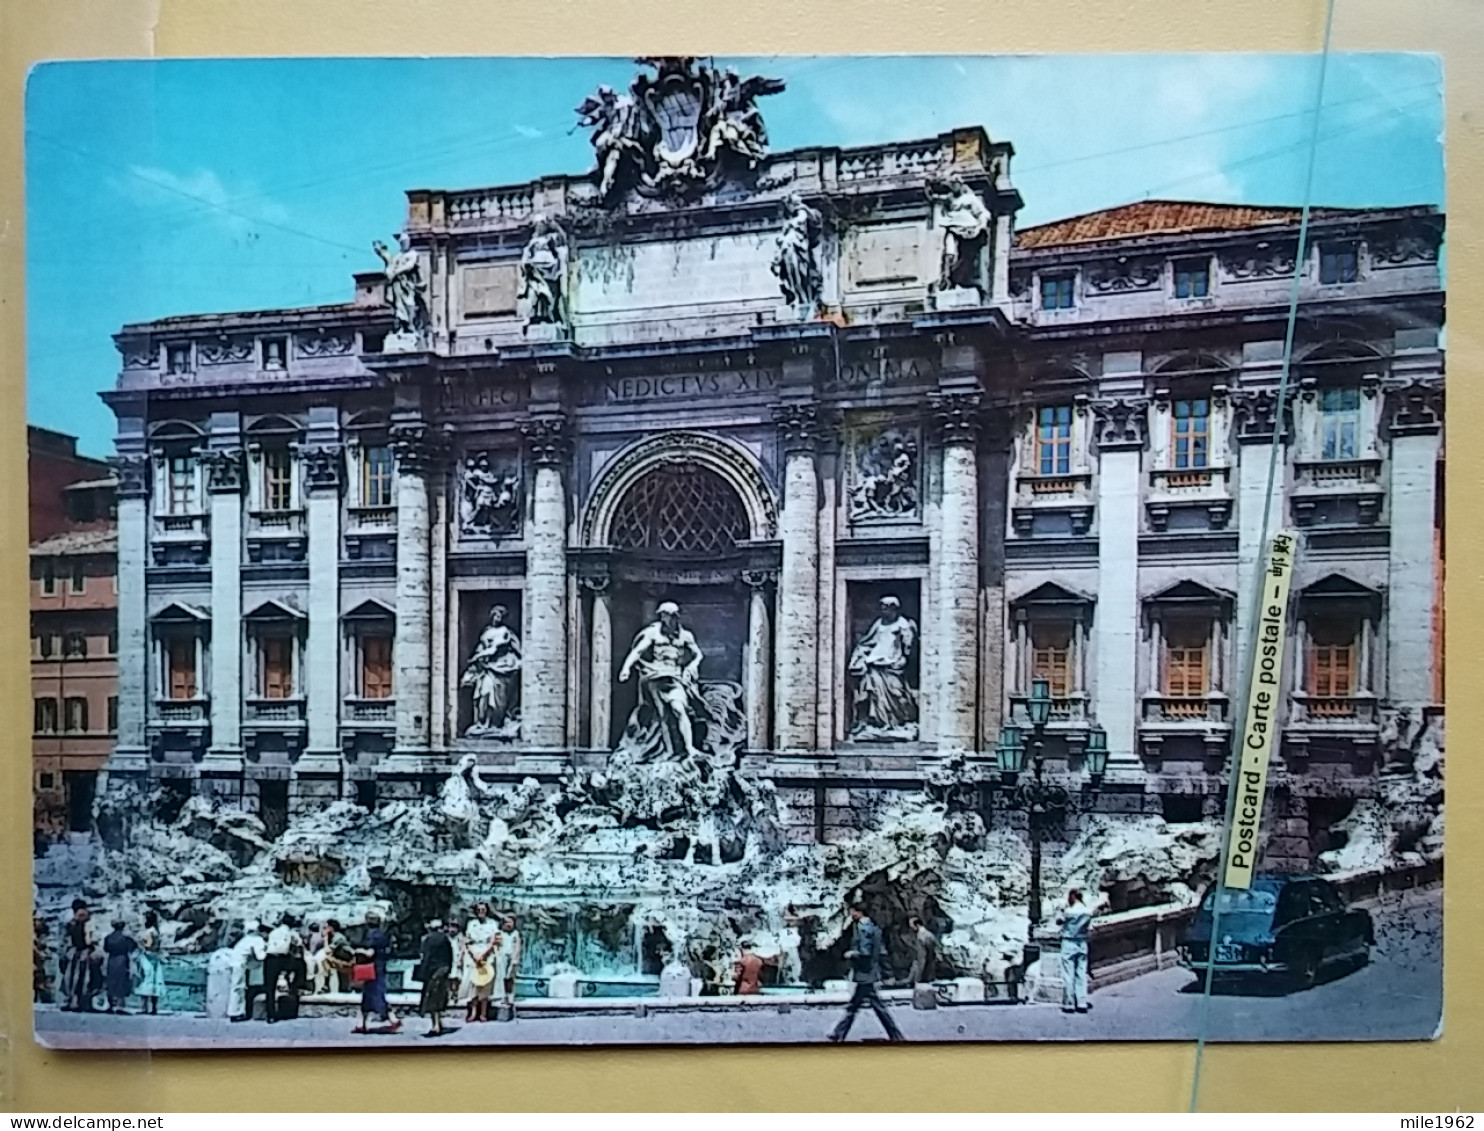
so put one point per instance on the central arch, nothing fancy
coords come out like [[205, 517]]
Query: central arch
[[669, 451], [672, 515]]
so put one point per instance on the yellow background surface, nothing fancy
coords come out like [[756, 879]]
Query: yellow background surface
[[1447, 1074]]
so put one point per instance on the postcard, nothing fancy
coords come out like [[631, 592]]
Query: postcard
[[690, 550]]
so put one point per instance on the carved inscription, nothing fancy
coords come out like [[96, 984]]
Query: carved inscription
[[685, 386], [884, 372]]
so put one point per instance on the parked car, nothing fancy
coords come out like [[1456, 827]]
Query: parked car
[[1286, 926]]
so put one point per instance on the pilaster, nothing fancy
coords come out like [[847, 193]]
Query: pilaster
[[131, 752], [225, 682], [1259, 422], [321, 459], [1121, 426], [1414, 422]]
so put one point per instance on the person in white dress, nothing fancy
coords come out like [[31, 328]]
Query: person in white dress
[[479, 950], [247, 970]]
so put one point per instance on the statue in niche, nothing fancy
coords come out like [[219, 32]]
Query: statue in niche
[[884, 705], [543, 274], [489, 499], [677, 718], [408, 294], [886, 486], [493, 673], [966, 220], [796, 261]]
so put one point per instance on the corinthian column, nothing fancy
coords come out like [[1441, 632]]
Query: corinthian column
[[957, 618], [757, 675], [796, 684], [543, 686], [600, 671], [412, 646]]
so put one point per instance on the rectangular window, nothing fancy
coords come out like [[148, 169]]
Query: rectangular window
[[79, 578], [1193, 278], [278, 479], [113, 642], [1338, 264], [46, 644], [74, 646], [376, 667], [46, 781], [181, 488], [1339, 423], [113, 714], [46, 716], [1051, 656], [1333, 651], [1187, 658], [1054, 440], [48, 576], [1056, 292], [180, 665], [376, 480], [1191, 434], [276, 667], [76, 715]]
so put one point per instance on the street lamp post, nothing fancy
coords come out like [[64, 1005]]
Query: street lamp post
[[1045, 803]]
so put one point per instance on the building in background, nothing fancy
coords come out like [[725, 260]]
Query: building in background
[[74, 629], [776, 399]]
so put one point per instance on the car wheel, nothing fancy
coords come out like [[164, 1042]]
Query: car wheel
[[1306, 968]]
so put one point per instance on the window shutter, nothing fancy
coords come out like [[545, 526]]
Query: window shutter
[[182, 658], [376, 667]]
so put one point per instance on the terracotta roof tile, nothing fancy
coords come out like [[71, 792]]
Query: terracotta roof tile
[[103, 541], [1160, 217]]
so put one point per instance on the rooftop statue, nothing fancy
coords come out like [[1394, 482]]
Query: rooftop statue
[[675, 131], [407, 292], [965, 220], [543, 273]]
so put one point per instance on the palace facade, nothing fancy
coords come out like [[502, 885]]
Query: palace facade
[[775, 389]]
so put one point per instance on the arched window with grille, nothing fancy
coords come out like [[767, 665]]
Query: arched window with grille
[[682, 509]]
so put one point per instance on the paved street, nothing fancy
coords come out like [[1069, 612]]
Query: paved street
[[1397, 996]]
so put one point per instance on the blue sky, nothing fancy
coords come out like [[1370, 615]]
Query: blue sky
[[158, 188]]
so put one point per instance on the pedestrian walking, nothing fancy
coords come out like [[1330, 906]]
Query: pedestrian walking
[[866, 956], [150, 964], [1076, 919], [375, 953], [434, 967], [925, 958], [749, 975], [118, 948]]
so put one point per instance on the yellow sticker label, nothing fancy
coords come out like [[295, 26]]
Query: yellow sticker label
[[1264, 705]]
